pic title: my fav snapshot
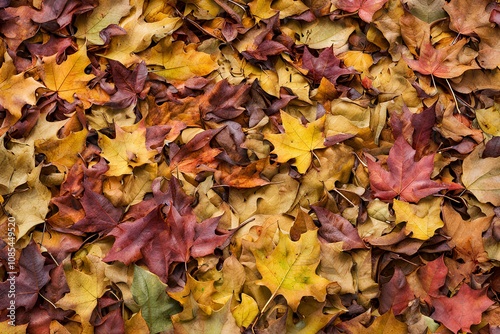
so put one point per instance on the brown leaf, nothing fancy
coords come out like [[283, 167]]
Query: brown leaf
[[335, 228]]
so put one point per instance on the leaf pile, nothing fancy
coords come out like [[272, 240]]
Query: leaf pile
[[253, 166]]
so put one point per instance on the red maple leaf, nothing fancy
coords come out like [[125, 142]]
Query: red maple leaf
[[406, 178], [432, 277], [365, 8], [168, 233], [395, 294], [326, 65], [336, 228], [462, 310], [443, 62], [33, 275]]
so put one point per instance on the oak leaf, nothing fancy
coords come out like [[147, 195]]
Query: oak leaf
[[462, 310], [298, 142], [289, 270], [405, 178]]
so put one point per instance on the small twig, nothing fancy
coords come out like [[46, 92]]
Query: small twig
[[454, 97], [360, 160], [347, 199], [48, 300]]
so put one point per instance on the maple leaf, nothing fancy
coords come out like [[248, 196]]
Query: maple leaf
[[395, 294], [335, 228], [422, 220], [161, 241], [462, 310], [16, 90], [129, 84], [298, 142], [91, 24], [405, 178], [289, 270], [85, 290], [151, 295], [428, 279], [144, 24], [33, 275], [126, 150], [63, 153], [466, 22], [68, 78], [480, 176], [445, 62], [365, 8], [179, 61], [224, 101], [326, 65], [100, 215]]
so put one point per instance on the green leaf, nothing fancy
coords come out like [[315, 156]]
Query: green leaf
[[156, 306]]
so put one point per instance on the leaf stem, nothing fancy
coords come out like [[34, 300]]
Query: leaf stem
[[454, 97]]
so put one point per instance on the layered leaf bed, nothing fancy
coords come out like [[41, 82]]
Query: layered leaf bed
[[226, 166]]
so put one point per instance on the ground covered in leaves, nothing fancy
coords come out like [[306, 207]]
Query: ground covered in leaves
[[226, 166]]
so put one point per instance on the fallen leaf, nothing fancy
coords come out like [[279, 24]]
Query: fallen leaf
[[395, 294], [126, 151], [151, 296], [90, 24], [289, 269], [179, 61], [411, 185], [480, 176], [326, 65], [16, 90], [462, 310], [364, 8], [445, 62], [298, 142], [422, 220], [68, 78]]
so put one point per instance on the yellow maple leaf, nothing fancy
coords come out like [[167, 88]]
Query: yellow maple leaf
[[91, 23], [15, 91], [84, 290], [179, 61], [127, 150], [422, 219], [290, 269], [69, 77], [146, 22], [62, 153], [298, 142]]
